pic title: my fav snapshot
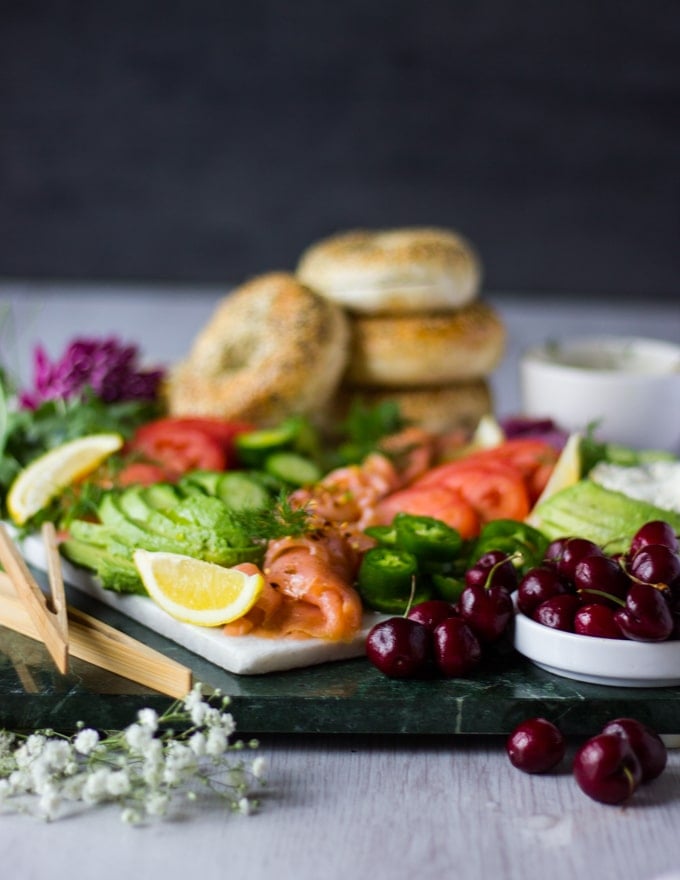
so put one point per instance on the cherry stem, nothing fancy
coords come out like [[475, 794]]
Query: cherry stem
[[603, 594]]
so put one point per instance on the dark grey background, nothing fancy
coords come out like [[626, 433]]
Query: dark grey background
[[197, 141]]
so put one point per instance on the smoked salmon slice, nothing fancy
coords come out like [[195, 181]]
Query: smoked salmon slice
[[308, 592]]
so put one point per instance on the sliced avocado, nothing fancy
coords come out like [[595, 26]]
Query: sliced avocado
[[203, 481], [588, 510], [90, 532], [136, 533], [161, 496], [115, 572]]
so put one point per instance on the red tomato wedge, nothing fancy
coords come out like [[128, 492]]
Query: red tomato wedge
[[440, 502], [182, 444], [142, 473], [527, 459], [493, 490]]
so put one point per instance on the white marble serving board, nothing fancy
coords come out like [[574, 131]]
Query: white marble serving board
[[243, 655]]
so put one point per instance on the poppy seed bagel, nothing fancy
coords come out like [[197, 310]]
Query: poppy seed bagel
[[393, 271], [272, 348], [427, 349]]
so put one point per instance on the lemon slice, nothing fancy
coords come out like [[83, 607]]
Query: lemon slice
[[566, 472], [197, 592], [42, 479]]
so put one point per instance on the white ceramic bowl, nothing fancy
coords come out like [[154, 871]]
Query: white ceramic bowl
[[629, 386], [613, 662]]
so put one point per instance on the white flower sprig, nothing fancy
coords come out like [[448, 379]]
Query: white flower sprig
[[144, 768]]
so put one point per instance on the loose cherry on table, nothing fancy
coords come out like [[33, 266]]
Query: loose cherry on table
[[492, 569], [607, 769], [400, 648], [456, 648], [486, 610], [535, 746], [646, 743], [431, 612]]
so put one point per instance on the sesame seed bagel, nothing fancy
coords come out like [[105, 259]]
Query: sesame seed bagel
[[393, 271], [437, 409], [428, 349], [272, 348]]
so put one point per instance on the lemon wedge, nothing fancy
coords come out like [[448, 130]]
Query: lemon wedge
[[487, 434], [39, 482], [197, 592], [566, 472]]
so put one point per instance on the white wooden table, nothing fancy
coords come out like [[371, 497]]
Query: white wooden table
[[338, 807]]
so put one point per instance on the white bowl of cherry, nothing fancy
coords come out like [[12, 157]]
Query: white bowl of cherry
[[601, 619]]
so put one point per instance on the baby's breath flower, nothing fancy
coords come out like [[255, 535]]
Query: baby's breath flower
[[216, 742], [85, 741], [148, 718], [258, 767], [138, 737], [141, 768]]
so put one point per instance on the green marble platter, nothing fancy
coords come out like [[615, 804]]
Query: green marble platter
[[346, 697]]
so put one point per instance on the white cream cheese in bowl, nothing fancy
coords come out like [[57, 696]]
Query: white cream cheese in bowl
[[628, 386]]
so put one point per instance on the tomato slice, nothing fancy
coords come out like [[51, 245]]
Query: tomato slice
[[495, 490], [439, 502], [180, 445], [142, 473], [525, 454]]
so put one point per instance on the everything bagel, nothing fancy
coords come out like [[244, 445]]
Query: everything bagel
[[424, 350], [393, 271], [272, 348]]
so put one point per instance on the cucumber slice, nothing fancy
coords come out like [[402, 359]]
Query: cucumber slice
[[242, 492], [254, 447], [294, 469]]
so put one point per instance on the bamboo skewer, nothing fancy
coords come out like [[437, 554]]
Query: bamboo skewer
[[55, 578], [49, 625], [102, 645]]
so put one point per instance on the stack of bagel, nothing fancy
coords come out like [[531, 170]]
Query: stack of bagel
[[381, 315], [419, 334]]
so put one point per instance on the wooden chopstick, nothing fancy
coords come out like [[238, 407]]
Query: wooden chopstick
[[55, 578], [104, 646], [45, 621]]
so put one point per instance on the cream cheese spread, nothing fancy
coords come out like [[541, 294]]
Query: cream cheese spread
[[656, 482]]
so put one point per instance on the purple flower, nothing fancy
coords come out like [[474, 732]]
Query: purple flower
[[106, 367]]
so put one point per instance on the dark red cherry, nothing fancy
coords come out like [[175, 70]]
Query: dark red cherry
[[597, 621], [656, 564], [558, 612], [647, 616], [487, 611], [647, 745], [537, 585], [598, 577], [492, 569], [655, 532], [535, 746], [573, 551], [399, 647], [456, 648], [431, 612], [607, 769]]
